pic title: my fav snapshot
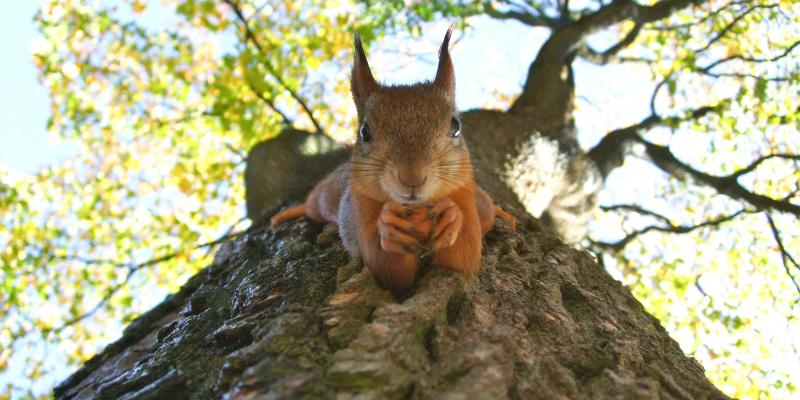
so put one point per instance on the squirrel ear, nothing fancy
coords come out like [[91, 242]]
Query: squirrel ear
[[362, 84], [445, 75]]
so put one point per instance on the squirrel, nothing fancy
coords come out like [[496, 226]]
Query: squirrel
[[408, 190]]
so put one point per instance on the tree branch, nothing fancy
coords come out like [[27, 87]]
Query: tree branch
[[740, 57], [564, 10], [596, 57], [705, 18], [727, 28], [610, 153], [759, 160], [639, 210], [132, 269], [614, 13], [728, 185], [271, 104], [522, 16], [786, 257], [547, 95], [251, 37], [669, 228]]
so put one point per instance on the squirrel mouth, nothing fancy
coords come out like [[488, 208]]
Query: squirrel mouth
[[409, 197]]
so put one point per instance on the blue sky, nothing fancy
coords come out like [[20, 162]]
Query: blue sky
[[24, 106]]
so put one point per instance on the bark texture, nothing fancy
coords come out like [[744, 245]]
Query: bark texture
[[286, 315]]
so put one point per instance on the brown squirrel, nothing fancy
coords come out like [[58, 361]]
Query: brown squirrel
[[408, 189]]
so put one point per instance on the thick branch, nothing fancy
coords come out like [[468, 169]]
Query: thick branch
[[564, 41], [727, 185], [594, 56], [547, 95], [520, 15], [610, 154], [705, 18]]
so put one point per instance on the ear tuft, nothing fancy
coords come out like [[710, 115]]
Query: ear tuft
[[362, 83], [445, 75]]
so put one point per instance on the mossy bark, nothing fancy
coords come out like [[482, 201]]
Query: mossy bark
[[286, 314]]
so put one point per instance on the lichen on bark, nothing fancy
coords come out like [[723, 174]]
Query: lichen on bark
[[286, 314]]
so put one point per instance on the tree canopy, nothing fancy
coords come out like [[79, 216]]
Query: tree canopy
[[699, 213]]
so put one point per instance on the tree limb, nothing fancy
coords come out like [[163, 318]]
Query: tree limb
[[705, 18], [271, 104], [132, 269], [785, 255], [548, 90], [669, 228], [728, 185], [727, 28], [251, 37], [522, 16], [604, 57], [612, 149], [564, 41], [610, 152], [741, 57], [564, 10]]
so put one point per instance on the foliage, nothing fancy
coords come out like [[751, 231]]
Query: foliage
[[164, 110], [726, 290], [163, 118]]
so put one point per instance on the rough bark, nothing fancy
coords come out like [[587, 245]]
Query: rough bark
[[286, 315]]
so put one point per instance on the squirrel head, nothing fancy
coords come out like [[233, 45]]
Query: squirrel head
[[409, 146]]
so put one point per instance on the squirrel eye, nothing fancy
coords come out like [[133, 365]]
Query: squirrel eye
[[455, 128], [364, 133]]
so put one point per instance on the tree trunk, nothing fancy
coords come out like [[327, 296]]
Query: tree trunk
[[286, 315]]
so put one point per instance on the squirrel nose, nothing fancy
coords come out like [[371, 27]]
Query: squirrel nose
[[412, 179]]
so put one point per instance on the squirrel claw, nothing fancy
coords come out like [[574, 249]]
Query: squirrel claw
[[391, 219], [446, 230], [405, 220], [510, 220], [395, 240]]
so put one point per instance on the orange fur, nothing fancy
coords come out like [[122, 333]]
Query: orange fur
[[408, 151], [464, 256], [396, 271], [287, 214]]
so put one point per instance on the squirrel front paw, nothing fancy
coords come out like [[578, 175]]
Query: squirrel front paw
[[402, 230], [448, 224]]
